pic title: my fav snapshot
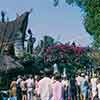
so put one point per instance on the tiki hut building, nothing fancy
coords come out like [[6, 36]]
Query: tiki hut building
[[11, 31], [9, 66]]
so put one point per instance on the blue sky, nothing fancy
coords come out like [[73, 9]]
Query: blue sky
[[64, 22]]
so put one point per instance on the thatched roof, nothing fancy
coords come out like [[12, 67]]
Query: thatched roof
[[8, 29], [7, 64]]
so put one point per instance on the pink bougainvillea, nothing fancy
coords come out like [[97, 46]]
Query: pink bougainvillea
[[63, 50]]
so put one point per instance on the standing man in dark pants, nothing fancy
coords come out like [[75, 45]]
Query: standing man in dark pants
[[19, 96], [73, 88]]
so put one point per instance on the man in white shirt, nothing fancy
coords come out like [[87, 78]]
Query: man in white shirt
[[30, 86], [45, 87], [79, 80]]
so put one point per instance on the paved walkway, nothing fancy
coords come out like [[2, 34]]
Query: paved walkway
[[34, 98]]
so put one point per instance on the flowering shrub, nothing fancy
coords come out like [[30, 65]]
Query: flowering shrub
[[62, 51], [66, 56]]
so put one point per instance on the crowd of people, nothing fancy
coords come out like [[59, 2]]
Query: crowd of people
[[55, 87], [22, 88]]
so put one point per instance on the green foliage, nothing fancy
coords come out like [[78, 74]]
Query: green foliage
[[48, 52], [66, 56], [26, 56], [95, 55], [3, 82], [48, 41], [39, 62]]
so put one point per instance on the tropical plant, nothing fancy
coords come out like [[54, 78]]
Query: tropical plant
[[66, 56]]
